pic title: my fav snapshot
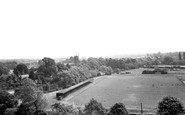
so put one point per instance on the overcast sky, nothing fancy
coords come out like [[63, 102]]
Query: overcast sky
[[63, 28]]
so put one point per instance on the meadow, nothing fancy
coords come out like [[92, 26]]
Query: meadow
[[131, 89]]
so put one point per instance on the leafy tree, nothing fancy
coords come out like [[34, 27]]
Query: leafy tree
[[93, 63], [118, 109], [94, 107], [168, 60], [31, 95], [170, 106], [7, 99], [48, 61], [94, 73], [106, 70], [48, 68], [20, 69], [66, 79]]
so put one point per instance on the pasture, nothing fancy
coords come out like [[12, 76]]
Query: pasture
[[131, 89]]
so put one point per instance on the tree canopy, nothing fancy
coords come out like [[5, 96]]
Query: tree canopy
[[170, 106], [118, 109], [20, 69], [94, 107]]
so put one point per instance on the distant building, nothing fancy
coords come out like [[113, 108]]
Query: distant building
[[24, 76], [11, 92], [71, 64]]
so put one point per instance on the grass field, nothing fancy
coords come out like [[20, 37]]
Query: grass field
[[131, 89]]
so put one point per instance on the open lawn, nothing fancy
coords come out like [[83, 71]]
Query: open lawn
[[131, 89]]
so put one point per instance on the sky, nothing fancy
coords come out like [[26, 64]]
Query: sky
[[90, 28]]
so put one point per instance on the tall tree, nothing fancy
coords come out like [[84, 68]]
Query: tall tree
[[180, 58], [48, 67]]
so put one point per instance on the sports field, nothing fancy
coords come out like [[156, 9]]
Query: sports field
[[131, 89]]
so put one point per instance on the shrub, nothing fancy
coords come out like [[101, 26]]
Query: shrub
[[148, 72], [94, 107], [160, 70], [170, 106], [62, 109], [118, 109]]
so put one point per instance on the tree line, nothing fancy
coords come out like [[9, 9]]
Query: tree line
[[53, 76]]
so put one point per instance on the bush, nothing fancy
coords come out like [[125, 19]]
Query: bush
[[160, 70], [170, 106], [62, 109], [148, 72], [118, 109], [94, 107]]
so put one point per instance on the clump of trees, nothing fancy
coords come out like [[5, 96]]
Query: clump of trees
[[64, 109], [27, 100], [92, 108], [52, 76]]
